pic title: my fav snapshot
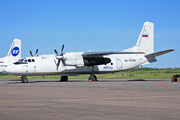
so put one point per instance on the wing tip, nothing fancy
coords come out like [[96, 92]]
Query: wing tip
[[171, 49], [142, 53]]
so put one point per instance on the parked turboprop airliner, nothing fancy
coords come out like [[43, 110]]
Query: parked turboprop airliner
[[13, 55], [76, 63]]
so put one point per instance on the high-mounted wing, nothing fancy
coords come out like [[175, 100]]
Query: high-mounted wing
[[86, 54]]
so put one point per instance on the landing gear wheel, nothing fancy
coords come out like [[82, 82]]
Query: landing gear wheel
[[24, 80], [64, 78], [92, 78], [175, 80]]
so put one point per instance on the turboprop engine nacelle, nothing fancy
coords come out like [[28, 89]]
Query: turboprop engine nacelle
[[73, 59]]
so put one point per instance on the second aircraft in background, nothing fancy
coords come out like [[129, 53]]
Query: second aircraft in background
[[13, 55]]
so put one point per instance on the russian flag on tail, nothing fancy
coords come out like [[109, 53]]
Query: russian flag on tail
[[144, 35]]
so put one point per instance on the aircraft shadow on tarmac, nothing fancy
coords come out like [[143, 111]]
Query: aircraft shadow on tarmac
[[43, 81], [76, 80], [138, 80], [81, 80], [33, 81]]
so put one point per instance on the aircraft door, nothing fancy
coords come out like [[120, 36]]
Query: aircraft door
[[118, 64]]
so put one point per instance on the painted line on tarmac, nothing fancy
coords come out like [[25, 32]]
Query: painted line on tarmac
[[46, 100], [162, 85]]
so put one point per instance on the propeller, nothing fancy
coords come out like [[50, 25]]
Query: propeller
[[59, 57], [36, 52], [32, 54], [62, 49]]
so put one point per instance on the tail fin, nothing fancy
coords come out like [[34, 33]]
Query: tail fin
[[14, 53], [145, 41]]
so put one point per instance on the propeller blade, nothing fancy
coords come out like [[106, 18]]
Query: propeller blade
[[62, 49], [31, 53], [56, 51], [36, 52], [59, 57], [58, 64]]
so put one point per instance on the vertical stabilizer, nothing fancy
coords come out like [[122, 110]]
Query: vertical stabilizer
[[14, 53], [145, 41]]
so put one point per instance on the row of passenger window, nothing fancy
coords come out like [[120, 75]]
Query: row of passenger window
[[26, 60]]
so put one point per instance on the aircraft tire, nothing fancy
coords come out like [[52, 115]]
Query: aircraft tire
[[24, 80], [92, 78], [175, 80], [64, 78]]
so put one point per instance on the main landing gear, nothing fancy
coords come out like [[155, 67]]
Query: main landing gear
[[92, 77], [64, 78], [24, 79]]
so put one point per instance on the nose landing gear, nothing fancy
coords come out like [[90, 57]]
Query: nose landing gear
[[64, 79], [24, 79]]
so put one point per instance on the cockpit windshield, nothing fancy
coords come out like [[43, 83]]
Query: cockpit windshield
[[20, 60], [24, 61]]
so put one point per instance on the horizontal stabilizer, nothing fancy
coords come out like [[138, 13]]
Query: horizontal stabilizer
[[159, 53], [108, 53]]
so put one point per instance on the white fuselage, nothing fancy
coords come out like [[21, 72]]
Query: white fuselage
[[47, 65]]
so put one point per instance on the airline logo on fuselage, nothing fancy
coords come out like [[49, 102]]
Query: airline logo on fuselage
[[108, 67], [15, 51]]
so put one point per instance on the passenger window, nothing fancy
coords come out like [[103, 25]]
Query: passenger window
[[33, 60], [25, 60], [29, 60]]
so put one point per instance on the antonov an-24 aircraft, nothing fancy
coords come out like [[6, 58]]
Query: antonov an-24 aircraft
[[76, 63]]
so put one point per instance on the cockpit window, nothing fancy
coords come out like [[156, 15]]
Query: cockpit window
[[24, 61], [20, 60]]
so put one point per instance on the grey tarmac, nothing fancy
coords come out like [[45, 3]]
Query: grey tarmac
[[116, 99]]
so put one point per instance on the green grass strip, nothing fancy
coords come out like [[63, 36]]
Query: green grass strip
[[136, 73]]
